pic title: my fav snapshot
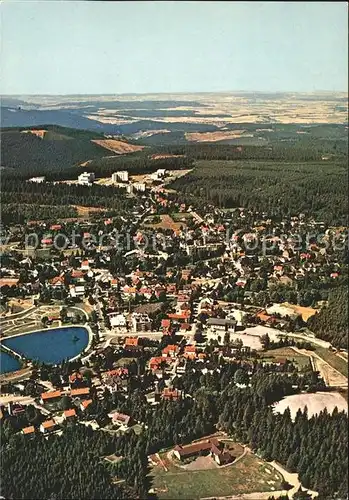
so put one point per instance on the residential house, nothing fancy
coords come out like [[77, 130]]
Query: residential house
[[50, 396], [69, 415], [171, 394], [170, 351], [29, 431], [120, 418], [83, 392], [47, 426], [84, 404]]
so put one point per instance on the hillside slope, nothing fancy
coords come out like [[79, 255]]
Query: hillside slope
[[51, 148]]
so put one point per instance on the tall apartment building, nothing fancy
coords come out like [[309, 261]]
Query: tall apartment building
[[122, 176]]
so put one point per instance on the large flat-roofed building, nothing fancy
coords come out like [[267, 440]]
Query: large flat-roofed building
[[121, 175], [86, 178], [139, 186], [218, 328]]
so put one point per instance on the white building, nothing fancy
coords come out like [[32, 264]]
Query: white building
[[141, 322], [159, 174], [218, 328], [139, 186], [38, 180], [86, 178], [117, 320], [122, 176]]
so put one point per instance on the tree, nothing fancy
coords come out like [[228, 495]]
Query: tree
[[241, 377], [66, 403]]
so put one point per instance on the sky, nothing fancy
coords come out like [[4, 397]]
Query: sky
[[96, 47]]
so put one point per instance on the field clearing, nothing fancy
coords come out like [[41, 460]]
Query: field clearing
[[334, 360], [331, 376], [216, 136], [326, 366], [166, 223], [85, 211], [299, 360], [118, 147], [251, 336], [246, 476], [315, 403], [178, 216]]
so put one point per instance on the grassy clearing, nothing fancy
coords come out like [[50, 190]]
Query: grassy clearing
[[332, 359], [286, 353], [246, 476], [178, 216]]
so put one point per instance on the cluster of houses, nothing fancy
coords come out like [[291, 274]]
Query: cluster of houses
[[195, 289]]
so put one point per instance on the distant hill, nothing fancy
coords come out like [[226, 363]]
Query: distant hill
[[48, 148], [17, 117]]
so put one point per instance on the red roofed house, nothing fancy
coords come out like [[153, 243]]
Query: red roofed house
[[85, 404], [56, 227], [165, 324], [120, 418], [190, 352], [182, 317], [170, 351], [213, 447], [46, 242], [81, 393], [171, 394], [47, 426], [155, 363], [69, 414], [50, 396], [29, 431]]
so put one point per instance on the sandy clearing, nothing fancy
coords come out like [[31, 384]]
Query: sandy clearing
[[118, 147], [315, 403], [215, 136], [164, 157], [331, 376]]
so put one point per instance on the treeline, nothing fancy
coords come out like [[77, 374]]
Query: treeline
[[293, 151], [331, 323], [14, 213], [70, 466], [284, 189]]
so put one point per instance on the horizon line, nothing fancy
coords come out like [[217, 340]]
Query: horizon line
[[180, 93]]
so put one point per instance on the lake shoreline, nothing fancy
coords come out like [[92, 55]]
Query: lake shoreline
[[85, 350]]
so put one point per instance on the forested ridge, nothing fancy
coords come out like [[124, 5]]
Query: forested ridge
[[281, 188], [331, 323]]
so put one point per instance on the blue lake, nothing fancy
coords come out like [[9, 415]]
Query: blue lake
[[50, 346], [8, 363]]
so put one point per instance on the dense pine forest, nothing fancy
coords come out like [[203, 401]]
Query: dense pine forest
[[331, 323], [317, 189]]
